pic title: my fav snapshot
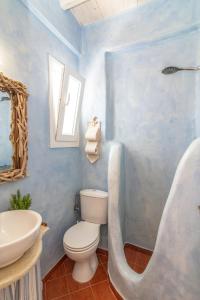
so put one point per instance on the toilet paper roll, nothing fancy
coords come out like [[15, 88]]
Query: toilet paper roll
[[93, 133], [91, 148]]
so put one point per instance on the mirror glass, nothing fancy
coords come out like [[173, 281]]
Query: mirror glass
[[5, 122]]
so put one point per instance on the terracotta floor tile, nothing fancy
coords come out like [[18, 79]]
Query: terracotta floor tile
[[59, 271], [44, 291], [130, 253], [85, 294], [138, 268], [66, 297], [142, 258], [102, 251], [105, 266], [102, 291], [99, 276], [131, 264], [103, 258], [59, 284], [73, 285], [117, 296], [55, 288], [69, 264]]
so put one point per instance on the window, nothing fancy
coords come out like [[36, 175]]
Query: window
[[65, 95]]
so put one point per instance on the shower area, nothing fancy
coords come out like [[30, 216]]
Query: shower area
[[149, 119], [153, 117]]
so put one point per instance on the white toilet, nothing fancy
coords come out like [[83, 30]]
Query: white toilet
[[81, 240]]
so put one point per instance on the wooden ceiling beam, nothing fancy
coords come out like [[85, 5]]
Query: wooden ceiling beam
[[68, 4]]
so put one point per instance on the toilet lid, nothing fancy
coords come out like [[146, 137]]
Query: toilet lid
[[81, 235], [67, 248]]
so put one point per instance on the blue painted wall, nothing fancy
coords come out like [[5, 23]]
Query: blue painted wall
[[63, 21], [54, 174], [152, 114], [155, 116]]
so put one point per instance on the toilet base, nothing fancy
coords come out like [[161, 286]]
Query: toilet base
[[84, 270]]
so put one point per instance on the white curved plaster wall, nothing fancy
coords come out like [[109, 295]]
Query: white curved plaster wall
[[174, 270]]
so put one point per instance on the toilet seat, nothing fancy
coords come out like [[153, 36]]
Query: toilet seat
[[81, 236], [82, 249]]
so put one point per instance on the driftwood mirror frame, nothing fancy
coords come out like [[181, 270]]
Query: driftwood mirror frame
[[18, 128]]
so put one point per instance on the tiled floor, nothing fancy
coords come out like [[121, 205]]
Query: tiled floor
[[59, 284], [137, 258]]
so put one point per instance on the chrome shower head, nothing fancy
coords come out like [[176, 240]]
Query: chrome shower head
[[172, 69]]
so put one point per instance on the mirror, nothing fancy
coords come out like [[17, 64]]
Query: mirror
[[5, 122], [13, 129]]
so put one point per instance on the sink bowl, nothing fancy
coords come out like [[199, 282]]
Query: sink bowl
[[18, 232]]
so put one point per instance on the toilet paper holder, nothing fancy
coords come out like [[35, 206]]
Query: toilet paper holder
[[93, 138]]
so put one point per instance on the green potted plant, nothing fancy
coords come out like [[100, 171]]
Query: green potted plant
[[17, 201]]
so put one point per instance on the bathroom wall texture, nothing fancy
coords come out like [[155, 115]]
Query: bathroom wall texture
[[63, 21], [151, 114], [53, 174]]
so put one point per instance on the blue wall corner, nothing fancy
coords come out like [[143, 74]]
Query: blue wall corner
[[53, 174]]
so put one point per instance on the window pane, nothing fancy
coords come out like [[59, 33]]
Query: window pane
[[56, 72], [71, 106]]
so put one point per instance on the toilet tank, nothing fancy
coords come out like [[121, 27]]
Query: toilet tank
[[94, 206]]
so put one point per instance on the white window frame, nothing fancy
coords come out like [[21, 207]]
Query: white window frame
[[55, 140], [74, 139]]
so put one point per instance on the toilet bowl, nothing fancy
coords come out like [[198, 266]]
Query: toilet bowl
[[81, 240], [80, 244]]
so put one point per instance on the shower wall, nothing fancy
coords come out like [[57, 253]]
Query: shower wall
[[152, 114]]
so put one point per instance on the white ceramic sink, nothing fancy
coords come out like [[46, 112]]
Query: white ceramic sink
[[18, 232]]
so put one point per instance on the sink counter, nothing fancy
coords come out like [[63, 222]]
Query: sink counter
[[17, 270]]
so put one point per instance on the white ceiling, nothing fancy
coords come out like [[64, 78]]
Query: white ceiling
[[95, 10]]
